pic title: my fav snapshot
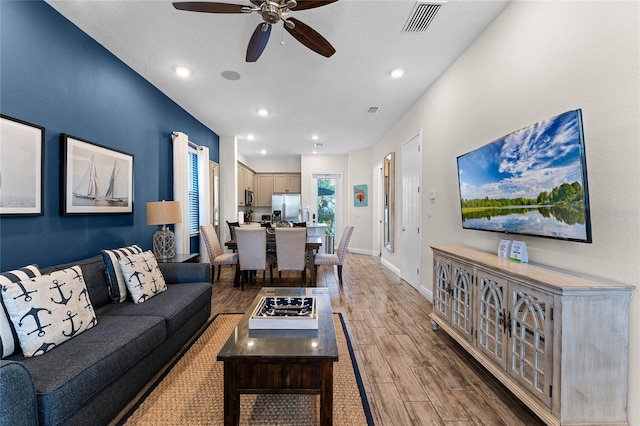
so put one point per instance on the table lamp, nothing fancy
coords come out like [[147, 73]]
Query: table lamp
[[164, 213]]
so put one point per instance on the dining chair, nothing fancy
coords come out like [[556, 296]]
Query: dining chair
[[232, 228], [335, 259], [290, 251], [252, 252], [214, 250]]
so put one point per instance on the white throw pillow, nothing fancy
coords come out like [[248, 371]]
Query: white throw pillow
[[49, 310], [8, 338], [142, 276], [117, 287]]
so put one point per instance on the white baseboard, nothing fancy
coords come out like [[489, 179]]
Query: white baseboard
[[390, 266], [361, 251], [427, 293]]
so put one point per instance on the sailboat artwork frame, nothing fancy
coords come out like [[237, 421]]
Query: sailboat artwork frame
[[95, 179]]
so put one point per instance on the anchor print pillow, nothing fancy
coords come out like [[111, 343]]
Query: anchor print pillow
[[142, 276], [8, 338], [48, 310]]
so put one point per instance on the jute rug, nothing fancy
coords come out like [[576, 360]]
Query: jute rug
[[191, 393]]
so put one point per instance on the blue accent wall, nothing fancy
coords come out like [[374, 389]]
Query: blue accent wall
[[54, 75]]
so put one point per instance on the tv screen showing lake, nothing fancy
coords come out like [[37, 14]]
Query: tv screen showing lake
[[542, 221], [532, 182]]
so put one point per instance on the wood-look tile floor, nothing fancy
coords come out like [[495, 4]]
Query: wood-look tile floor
[[412, 375]]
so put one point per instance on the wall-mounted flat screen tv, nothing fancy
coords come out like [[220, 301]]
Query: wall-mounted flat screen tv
[[531, 182]]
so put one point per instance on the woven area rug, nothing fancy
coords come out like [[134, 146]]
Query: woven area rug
[[191, 392]]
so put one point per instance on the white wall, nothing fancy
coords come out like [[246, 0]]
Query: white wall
[[360, 173], [536, 60], [228, 185], [273, 165]]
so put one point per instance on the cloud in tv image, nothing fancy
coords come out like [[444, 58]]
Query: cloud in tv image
[[532, 182]]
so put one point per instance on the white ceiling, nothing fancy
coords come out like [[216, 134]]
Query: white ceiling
[[305, 93]]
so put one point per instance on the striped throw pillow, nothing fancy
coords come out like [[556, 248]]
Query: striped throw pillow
[[8, 337], [117, 286]]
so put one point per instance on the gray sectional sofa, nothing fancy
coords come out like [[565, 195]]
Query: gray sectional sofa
[[92, 377]]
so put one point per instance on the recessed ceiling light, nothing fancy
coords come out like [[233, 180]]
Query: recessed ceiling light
[[263, 112], [183, 72], [397, 73], [251, 137], [314, 152], [315, 137], [263, 151]]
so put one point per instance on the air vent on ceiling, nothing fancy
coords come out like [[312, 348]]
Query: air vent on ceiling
[[318, 145], [421, 17], [373, 109]]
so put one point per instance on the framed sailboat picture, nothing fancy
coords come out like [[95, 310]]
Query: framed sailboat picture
[[95, 179]]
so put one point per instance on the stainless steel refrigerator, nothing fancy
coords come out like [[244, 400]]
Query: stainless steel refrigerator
[[288, 203]]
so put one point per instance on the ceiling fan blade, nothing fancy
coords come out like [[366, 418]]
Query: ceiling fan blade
[[258, 42], [310, 4], [209, 7], [310, 38]]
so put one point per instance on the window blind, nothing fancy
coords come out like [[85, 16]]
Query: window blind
[[194, 216]]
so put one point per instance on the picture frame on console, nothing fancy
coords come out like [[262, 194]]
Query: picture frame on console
[[21, 168], [95, 179]]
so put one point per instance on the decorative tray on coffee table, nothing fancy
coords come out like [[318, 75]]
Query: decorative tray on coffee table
[[298, 312]]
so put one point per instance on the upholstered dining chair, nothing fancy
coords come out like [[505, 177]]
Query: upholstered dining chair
[[214, 250], [290, 251], [335, 259], [252, 252]]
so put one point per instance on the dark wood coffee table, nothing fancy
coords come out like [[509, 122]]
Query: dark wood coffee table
[[281, 361]]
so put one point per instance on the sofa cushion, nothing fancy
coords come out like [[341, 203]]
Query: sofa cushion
[[177, 305], [95, 279], [117, 287], [142, 276], [49, 310], [89, 362], [8, 337]]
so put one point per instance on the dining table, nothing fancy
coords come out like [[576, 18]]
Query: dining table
[[313, 243]]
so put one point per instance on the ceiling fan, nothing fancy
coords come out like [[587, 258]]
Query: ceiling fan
[[272, 11]]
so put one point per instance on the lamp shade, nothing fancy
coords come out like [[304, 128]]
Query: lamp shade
[[163, 212]]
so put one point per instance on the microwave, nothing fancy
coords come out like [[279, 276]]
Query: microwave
[[248, 197]]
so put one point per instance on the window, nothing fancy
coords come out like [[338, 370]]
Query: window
[[194, 214]]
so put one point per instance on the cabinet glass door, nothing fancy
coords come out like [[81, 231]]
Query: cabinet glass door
[[442, 286], [491, 317], [461, 317], [530, 340]]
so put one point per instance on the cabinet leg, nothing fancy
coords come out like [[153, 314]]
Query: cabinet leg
[[434, 325]]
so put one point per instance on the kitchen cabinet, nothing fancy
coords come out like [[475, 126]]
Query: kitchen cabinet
[[286, 182], [557, 339], [264, 189], [246, 180]]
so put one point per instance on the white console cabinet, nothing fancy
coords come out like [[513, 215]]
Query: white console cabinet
[[557, 339]]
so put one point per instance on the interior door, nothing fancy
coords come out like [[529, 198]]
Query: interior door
[[411, 210]]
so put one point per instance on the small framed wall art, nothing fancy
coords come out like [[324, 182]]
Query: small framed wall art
[[95, 179], [360, 196], [21, 168]]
